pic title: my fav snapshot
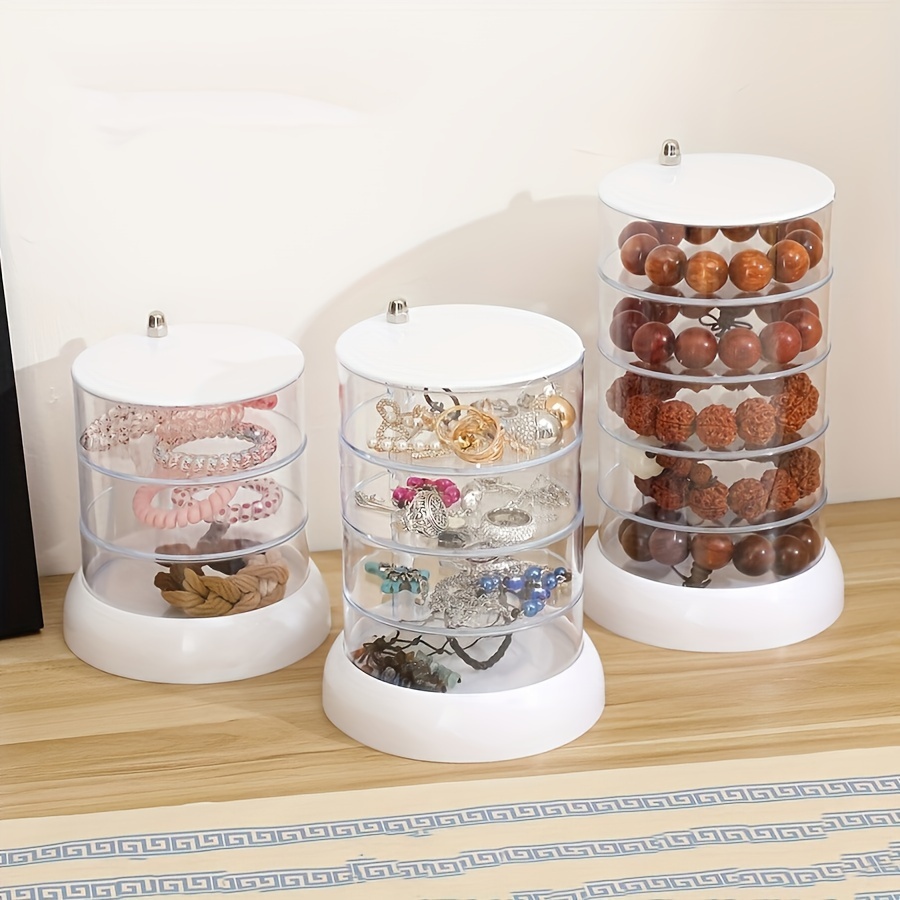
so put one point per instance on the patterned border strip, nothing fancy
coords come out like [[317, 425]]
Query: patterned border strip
[[374, 871], [856, 865], [172, 843]]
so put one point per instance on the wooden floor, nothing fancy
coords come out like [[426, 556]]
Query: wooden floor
[[73, 739]]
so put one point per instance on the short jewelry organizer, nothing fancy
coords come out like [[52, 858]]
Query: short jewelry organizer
[[195, 565], [463, 535], [714, 291]]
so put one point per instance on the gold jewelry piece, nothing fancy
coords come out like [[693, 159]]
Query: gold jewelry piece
[[474, 435]]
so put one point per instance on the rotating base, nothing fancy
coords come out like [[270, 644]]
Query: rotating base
[[180, 650], [454, 728], [713, 620]]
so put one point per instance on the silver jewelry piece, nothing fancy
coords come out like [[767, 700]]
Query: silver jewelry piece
[[461, 603], [424, 514], [507, 525]]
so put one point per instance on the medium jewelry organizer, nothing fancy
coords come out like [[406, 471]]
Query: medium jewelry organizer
[[714, 294], [195, 565], [463, 535]]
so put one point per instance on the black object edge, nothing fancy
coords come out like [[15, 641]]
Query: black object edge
[[20, 598]]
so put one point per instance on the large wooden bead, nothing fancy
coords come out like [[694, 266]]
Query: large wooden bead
[[807, 222], [706, 271], [809, 326], [624, 325], [739, 233], [788, 306], [696, 347], [791, 555], [809, 536], [669, 232], [712, 551], [790, 259], [698, 234], [634, 538], [633, 228], [750, 270], [653, 343], [739, 348], [780, 342], [668, 547], [754, 555], [665, 264], [810, 241], [634, 252]]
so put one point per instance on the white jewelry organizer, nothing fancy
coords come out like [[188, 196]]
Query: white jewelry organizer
[[195, 565], [463, 535], [714, 287]]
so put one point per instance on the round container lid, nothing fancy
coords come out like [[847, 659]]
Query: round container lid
[[717, 189], [459, 347], [192, 365]]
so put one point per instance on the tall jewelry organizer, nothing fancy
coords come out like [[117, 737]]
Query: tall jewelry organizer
[[714, 292], [195, 565], [463, 534]]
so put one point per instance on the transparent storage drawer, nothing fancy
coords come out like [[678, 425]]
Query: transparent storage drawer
[[139, 515], [727, 260], [431, 510], [691, 488], [711, 336], [672, 552], [722, 415]]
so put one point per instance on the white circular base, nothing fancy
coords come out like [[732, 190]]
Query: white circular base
[[713, 620], [457, 728], [181, 650]]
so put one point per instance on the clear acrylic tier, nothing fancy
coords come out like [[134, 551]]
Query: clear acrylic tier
[[463, 530], [732, 263], [714, 285], [713, 337], [193, 519]]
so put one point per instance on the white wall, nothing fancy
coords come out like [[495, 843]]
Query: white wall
[[295, 165]]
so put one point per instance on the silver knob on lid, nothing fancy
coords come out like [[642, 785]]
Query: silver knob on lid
[[670, 154], [397, 311], [156, 324]]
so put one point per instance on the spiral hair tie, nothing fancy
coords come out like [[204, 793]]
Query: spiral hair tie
[[262, 447], [190, 508], [190, 511]]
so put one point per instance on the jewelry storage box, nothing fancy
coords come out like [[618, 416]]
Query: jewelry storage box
[[714, 293], [463, 535], [195, 564]]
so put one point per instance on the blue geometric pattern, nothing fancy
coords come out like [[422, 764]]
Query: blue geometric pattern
[[374, 872], [141, 846]]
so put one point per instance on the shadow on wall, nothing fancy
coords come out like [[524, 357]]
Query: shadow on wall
[[52, 470], [535, 255]]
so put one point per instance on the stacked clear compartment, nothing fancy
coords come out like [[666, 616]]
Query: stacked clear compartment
[[193, 509], [460, 485], [713, 342]]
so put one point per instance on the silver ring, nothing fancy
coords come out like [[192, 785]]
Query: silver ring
[[507, 525]]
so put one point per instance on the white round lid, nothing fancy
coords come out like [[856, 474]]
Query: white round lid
[[192, 365], [460, 347], [717, 189]]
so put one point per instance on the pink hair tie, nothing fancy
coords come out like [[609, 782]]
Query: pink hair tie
[[269, 497], [188, 509], [268, 402], [190, 423]]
